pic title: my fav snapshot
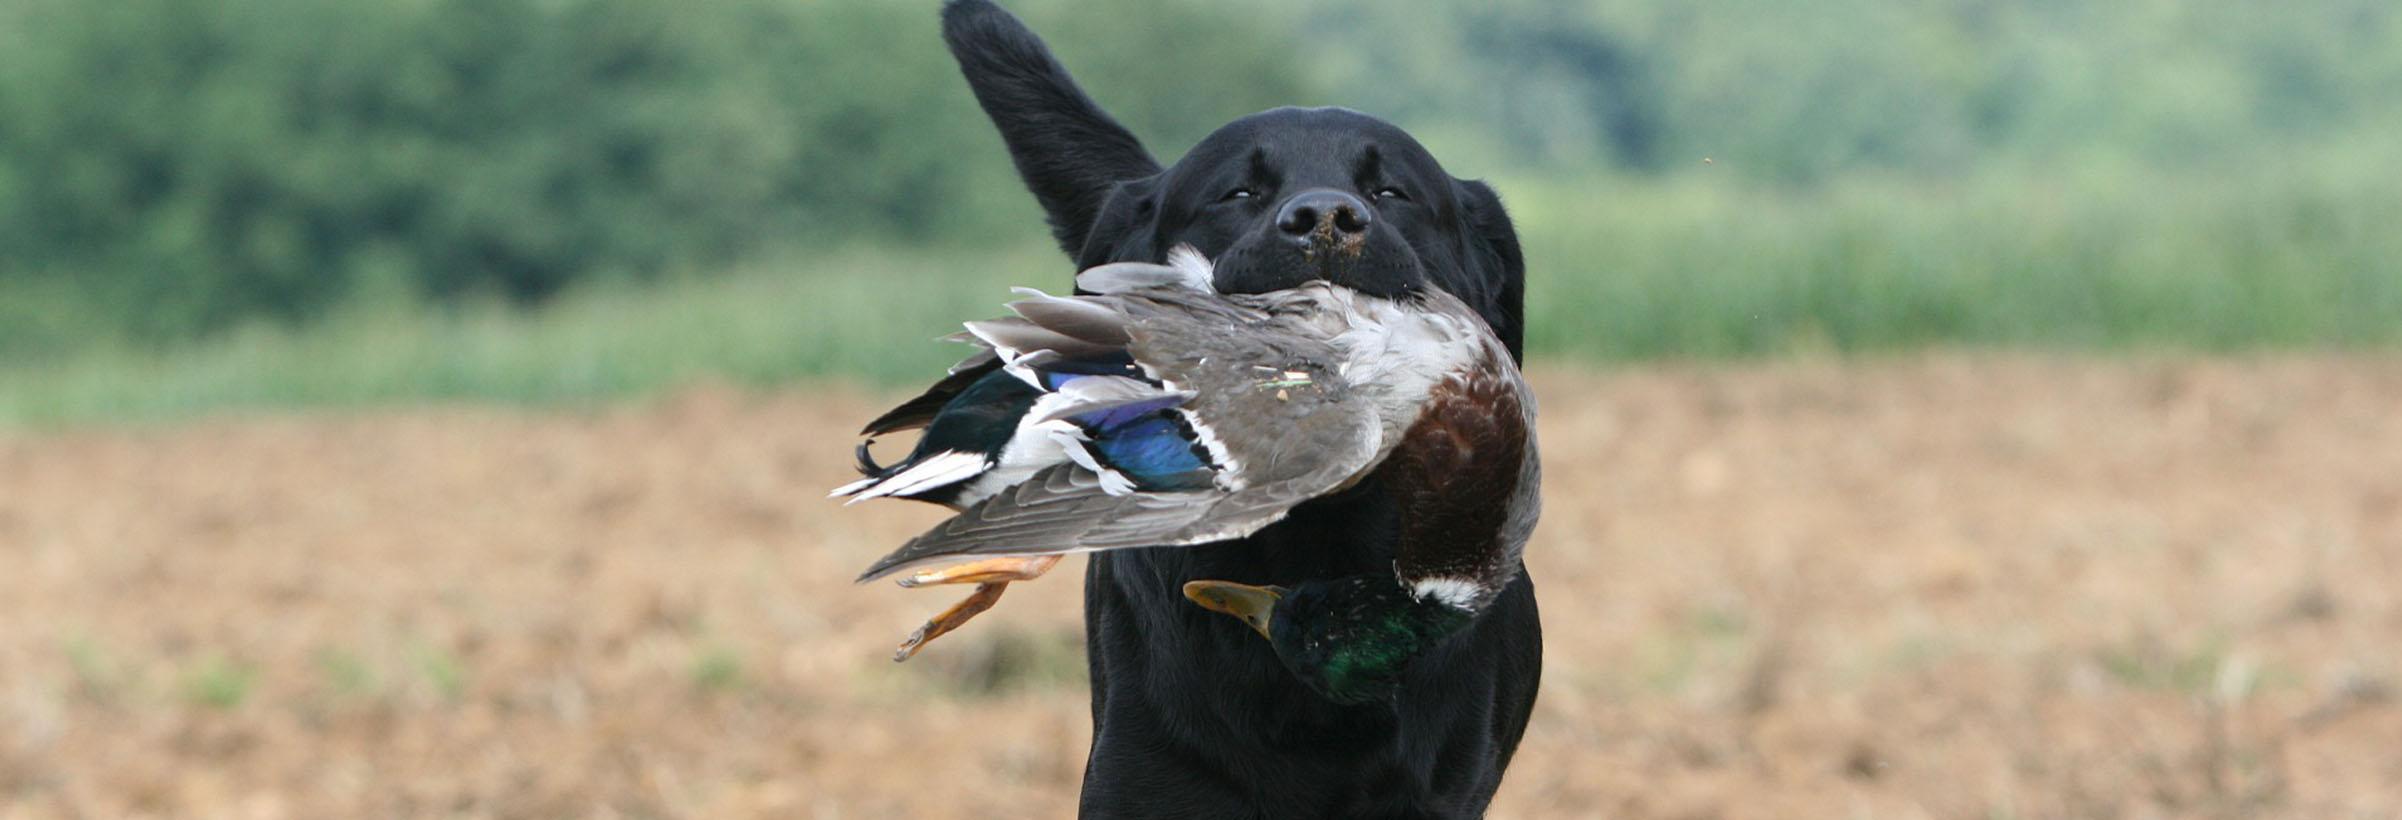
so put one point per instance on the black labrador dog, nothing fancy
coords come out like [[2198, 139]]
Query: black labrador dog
[[1193, 714]]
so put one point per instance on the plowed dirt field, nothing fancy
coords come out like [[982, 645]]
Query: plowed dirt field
[[1950, 586]]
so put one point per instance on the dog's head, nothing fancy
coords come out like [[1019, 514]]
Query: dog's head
[[1276, 198]]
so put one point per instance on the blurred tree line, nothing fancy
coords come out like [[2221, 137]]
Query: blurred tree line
[[169, 167], [1797, 92], [172, 167]]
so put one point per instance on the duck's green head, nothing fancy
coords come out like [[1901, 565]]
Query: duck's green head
[[1349, 639]]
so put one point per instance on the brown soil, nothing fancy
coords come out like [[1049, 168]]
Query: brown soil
[[1942, 587]]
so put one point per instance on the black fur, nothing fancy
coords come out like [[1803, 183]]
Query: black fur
[[1068, 150], [1193, 714]]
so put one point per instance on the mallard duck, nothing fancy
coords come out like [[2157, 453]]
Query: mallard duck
[[1158, 413]]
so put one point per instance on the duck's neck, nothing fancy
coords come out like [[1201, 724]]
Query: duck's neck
[[1353, 638]]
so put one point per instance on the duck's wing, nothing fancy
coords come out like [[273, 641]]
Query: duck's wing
[[1065, 509], [1266, 413]]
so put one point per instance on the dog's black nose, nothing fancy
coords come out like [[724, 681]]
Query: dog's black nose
[[1338, 215]]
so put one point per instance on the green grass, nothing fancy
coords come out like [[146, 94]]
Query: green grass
[[2299, 253], [717, 669], [346, 674], [443, 672], [860, 314], [2212, 260], [217, 682]]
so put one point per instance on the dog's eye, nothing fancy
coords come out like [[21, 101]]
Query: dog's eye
[[1390, 192], [1238, 193]]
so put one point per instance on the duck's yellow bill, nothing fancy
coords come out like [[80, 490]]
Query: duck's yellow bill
[[1255, 605]]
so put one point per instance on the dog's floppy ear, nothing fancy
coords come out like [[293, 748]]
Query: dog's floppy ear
[[1123, 226], [1070, 153], [1494, 243]]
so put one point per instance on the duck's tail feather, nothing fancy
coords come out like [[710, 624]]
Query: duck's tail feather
[[865, 462], [919, 475], [870, 472]]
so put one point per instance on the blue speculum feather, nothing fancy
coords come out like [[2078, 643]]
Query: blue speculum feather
[[1155, 449]]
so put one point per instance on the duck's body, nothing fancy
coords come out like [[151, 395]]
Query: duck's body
[[1156, 413]]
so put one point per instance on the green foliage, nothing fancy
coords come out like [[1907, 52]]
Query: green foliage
[[2293, 254], [1805, 92], [2296, 252], [172, 167]]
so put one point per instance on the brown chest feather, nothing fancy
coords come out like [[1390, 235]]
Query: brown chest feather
[[1455, 472]]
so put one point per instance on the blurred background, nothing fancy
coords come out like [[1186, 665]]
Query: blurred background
[[270, 202], [418, 407]]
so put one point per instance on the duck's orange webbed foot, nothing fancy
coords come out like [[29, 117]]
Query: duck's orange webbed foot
[[991, 576]]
